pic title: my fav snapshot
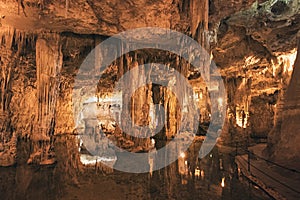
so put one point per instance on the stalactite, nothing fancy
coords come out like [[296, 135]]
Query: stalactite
[[41, 4], [195, 14], [121, 61], [172, 108], [49, 63], [6, 71], [67, 8], [199, 30], [125, 93], [10, 39], [21, 5], [199, 15], [7, 35], [98, 56]]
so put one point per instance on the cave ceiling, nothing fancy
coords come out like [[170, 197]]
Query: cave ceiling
[[109, 17], [239, 29]]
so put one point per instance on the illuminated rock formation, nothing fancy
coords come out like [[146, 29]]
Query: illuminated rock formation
[[43, 113]]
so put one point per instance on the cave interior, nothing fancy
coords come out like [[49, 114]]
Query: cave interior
[[92, 92]]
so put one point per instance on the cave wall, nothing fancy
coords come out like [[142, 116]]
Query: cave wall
[[18, 91], [257, 45], [284, 138], [262, 115], [32, 90]]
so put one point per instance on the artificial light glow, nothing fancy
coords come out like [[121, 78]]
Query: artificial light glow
[[241, 117], [197, 172], [223, 182], [264, 71], [152, 141], [182, 155], [251, 60], [91, 100], [91, 160], [151, 166], [153, 118], [288, 60], [116, 97], [196, 95]]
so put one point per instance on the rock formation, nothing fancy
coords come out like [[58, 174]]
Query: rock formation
[[43, 44]]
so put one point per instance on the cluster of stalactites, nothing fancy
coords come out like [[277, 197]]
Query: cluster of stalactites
[[12, 43], [16, 40], [49, 63]]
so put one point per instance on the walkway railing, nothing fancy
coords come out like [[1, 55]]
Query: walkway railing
[[251, 165]]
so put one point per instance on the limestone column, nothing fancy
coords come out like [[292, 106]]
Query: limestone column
[[48, 65]]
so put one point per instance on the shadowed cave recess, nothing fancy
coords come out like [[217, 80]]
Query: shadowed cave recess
[[58, 137]]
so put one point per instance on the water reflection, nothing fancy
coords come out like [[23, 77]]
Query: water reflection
[[24, 181], [213, 177]]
